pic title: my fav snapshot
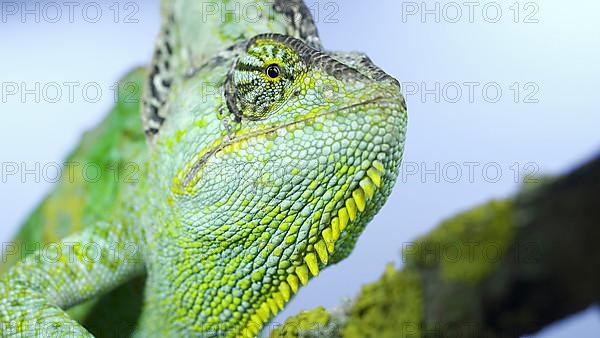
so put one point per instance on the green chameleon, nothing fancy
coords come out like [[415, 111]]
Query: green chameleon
[[258, 161]]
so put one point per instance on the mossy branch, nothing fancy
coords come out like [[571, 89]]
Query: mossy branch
[[503, 269]]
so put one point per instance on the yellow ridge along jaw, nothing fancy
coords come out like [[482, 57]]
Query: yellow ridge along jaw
[[335, 229], [302, 273], [322, 249], [374, 176], [312, 263], [327, 236], [359, 199], [351, 208], [253, 328], [284, 288], [279, 300], [293, 281], [263, 312], [272, 306], [367, 185], [343, 215]]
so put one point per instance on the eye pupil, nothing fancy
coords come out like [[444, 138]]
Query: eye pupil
[[273, 71]]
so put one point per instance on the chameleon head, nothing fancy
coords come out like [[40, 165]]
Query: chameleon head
[[280, 173]]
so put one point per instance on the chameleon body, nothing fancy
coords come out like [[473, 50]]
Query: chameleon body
[[263, 159]]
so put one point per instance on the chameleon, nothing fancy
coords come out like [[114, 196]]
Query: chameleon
[[258, 159]]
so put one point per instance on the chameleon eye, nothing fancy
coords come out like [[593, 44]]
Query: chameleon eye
[[263, 78], [273, 71]]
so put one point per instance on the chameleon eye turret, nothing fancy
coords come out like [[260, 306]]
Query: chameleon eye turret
[[263, 78]]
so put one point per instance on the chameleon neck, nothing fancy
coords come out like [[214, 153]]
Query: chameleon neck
[[187, 296]]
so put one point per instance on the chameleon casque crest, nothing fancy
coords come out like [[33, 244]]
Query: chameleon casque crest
[[262, 158]]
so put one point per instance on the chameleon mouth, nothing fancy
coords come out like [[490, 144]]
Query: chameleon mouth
[[186, 179], [317, 255]]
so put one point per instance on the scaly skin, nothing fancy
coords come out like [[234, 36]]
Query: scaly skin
[[266, 158]]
